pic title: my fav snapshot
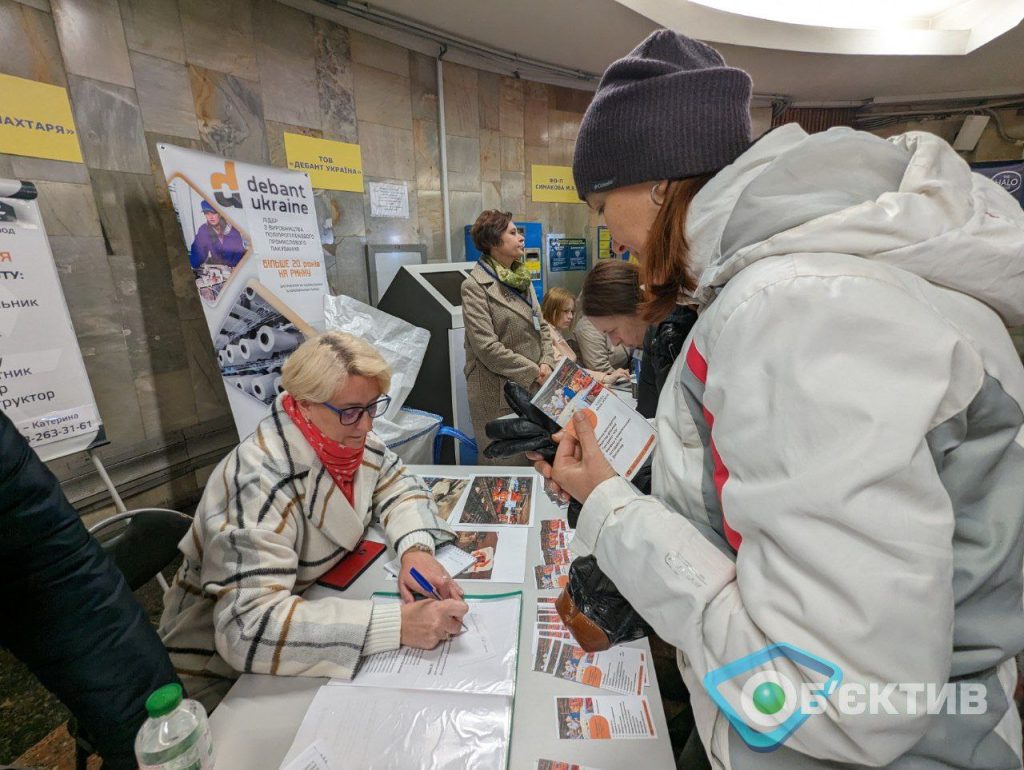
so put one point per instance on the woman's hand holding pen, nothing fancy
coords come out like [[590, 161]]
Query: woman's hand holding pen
[[429, 568], [426, 623], [579, 465]]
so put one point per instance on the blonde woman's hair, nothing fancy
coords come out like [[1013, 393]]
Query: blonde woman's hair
[[322, 364], [554, 302]]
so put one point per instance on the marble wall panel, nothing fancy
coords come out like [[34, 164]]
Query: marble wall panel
[[382, 97], [569, 99], [513, 192], [175, 251], [286, 52], [334, 81], [535, 122], [512, 154], [560, 151], [489, 90], [380, 54], [7, 166], [28, 40], [166, 401], [207, 385], [534, 155], [387, 152], [423, 80], [464, 208], [490, 195], [539, 212], [165, 96], [40, 5], [230, 114], [461, 102], [68, 209], [109, 125], [387, 229], [81, 263], [463, 163], [431, 223], [511, 107], [36, 169], [110, 375], [92, 40], [153, 27], [275, 140], [428, 155], [218, 36], [140, 270], [344, 209], [349, 275], [490, 156]]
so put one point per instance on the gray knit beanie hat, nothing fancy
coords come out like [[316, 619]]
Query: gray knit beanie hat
[[668, 110]]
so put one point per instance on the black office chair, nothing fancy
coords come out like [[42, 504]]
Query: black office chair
[[145, 544]]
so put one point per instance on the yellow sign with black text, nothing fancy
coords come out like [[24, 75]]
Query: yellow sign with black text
[[553, 184], [36, 120], [330, 165]]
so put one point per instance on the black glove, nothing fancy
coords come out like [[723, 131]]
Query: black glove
[[594, 611], [530, 431]]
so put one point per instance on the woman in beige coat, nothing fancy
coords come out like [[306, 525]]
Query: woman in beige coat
[[506, 338]]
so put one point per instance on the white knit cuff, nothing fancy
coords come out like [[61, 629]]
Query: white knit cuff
[[385, 630], [415, 538]]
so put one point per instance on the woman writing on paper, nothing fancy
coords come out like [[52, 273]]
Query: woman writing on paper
[[559, 311], [838, 474], [506, 338], [283, 508]]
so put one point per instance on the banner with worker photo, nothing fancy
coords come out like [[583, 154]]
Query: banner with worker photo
[[252, 242], [44, 387]]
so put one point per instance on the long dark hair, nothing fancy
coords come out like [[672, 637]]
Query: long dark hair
[[666, 262]]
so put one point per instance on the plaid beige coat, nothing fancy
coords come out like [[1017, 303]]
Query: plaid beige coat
[[502, 343], [271, 521]]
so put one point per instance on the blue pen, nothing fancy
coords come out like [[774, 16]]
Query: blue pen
[[425, 585]]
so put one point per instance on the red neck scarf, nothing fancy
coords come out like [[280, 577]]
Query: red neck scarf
[[341, 462]]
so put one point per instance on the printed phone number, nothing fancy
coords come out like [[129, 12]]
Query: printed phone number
[[42, 436]]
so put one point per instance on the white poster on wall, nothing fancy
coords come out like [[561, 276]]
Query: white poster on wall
[[388, 200], [254, 248], [44, 387]]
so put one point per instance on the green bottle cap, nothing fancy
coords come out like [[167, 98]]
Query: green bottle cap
[[164, 700]]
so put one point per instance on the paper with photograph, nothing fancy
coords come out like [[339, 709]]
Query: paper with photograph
[[551, 576], [554, 764], [620, 669], [624, 435], [498, 501], [447, 491], [604, 717]]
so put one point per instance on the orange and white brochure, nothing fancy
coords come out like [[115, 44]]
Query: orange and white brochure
[[605, 717], [624, 435]]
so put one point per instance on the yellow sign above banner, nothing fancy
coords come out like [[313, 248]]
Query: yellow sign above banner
[[553, 184], [35, 120], [330, 165]]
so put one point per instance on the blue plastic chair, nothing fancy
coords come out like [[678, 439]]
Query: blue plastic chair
[[469, 445]]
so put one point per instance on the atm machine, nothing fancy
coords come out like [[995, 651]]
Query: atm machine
[[429, 296]]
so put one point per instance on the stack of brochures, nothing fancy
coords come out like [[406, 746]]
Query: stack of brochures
[[452, 704]]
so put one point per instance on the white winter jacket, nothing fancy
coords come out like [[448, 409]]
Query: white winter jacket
[[840, 468]]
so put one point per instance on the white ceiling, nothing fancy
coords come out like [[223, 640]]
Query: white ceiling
[[589, 34]]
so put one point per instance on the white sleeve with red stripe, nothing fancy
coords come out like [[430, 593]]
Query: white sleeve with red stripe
[[820, 390]]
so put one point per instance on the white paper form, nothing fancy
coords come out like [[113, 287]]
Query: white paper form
[[449, 556], [313, 758], [482, 659], [391, 729]]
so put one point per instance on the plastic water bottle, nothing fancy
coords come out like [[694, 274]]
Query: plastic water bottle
[[177, 734]]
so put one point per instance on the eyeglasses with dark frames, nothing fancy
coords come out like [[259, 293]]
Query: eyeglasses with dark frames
[[350, 415]]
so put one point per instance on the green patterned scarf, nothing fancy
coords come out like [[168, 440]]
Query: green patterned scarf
[[517, 276]]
